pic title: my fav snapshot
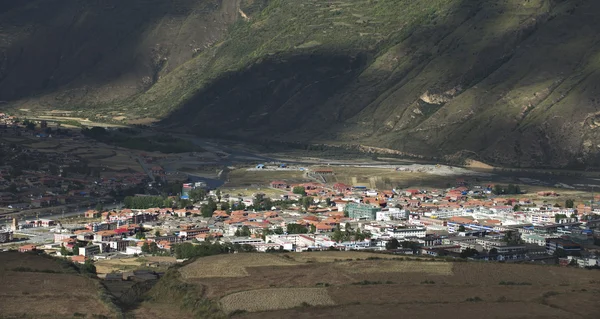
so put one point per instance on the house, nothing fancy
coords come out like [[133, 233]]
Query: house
[[569, 247], [323, 172], [361, 211], [342, 188], [89, 250], [191, 233], [92, 214], [27, 248], [79, 259], [279, 184]]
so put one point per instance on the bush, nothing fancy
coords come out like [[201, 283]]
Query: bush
[[474, 299], [512, 283], [368, 282], [237, 312], [427, 282]]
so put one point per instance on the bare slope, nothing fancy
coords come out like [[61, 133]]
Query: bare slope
[[512, 82], [326, 284]]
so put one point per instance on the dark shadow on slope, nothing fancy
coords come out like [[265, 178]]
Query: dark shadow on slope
[[53, 43], [269, 99]]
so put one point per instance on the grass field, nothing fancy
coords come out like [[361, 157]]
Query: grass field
[[250, 191], [394, 266], [244, 177], [235, 265], [386, 178], [274, 299]]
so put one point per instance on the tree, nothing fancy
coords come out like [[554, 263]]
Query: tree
[[153, 248], [338, 235], [560, 253], [493, 251], [306, 202], [313, 228], [76, 250], [296, 229], [99, 207], [411, 244], [299, 190], [218, 193], [88, 268], [516, 208], [63, 251], [461, 228], [348, 227], [146, 248], [245, 231], [510, 189], [569, 203], [197, 194], [573, 263], [209, 208], [469, 252], [157, 233], [558, 217], [140, 235], [12, 188], [497, 190], [512, 237], [29, 125], [392, 244]]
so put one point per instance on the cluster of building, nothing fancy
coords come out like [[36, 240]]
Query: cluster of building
[[32, 178], [466, 222]]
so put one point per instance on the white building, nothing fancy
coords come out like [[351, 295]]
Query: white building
[[401, 233], [132, 250], [88, 251], [391, 214]]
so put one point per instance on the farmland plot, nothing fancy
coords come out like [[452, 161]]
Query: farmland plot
[[274, 299]]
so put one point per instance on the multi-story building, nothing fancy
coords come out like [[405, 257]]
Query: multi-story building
[[569, 247], [88, 251], [361, 211], [412, 231], [6, 235], [391, 214]]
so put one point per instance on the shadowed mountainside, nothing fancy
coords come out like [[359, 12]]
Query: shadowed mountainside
[[511, 82]]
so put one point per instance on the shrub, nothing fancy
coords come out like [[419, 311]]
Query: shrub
[[512, 283], [367, 282], [474, 299]]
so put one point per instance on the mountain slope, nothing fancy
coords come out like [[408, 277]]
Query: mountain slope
[[511, 82]]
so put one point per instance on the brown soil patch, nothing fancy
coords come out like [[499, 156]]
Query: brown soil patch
[[35, 295], [274, 299], [234, 265], [14, 260], [506, 310]]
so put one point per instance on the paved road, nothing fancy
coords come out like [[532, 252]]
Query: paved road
[[57, 214]]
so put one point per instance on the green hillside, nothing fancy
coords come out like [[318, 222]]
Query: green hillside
[[513, 82]]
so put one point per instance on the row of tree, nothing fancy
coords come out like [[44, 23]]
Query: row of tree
[[506, 190], [189, 250]]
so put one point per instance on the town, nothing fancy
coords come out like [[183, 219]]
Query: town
[[465, 220]]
